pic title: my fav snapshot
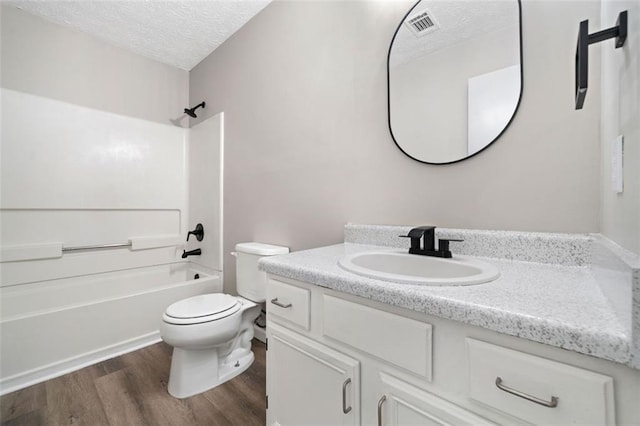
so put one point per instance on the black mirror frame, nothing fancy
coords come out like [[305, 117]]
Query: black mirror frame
[[389, 91]]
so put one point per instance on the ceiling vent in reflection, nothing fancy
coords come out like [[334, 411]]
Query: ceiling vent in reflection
[[422, 23]]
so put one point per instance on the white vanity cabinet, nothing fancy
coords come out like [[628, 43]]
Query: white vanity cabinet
[[403, 404], [336, 359], [310, 383]]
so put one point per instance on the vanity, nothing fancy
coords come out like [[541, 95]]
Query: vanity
[[552, 340]]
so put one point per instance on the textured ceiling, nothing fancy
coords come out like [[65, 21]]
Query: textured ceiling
[[459, 20], [177, 32]]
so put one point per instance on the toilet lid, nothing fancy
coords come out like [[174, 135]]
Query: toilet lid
[[202, 306]]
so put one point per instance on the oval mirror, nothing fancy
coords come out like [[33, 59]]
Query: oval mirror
[[454, 77]]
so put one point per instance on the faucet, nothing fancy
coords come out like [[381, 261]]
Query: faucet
[[198, 232], [196, 252], [427, 247]]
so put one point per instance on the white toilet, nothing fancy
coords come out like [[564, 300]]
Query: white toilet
[[211, 333]]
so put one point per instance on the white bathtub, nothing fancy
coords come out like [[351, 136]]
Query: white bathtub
[[50, 328]]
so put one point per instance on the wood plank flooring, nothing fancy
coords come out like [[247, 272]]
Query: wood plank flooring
[[132, 390]]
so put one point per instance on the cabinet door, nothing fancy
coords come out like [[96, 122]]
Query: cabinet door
[[404, 404], [309, 383]]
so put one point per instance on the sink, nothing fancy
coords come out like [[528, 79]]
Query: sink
[[401, 267]]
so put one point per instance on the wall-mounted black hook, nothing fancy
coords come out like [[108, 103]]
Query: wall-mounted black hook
[[198, 232], [582, 51]]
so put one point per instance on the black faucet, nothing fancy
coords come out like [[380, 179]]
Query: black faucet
[[196, 252], [198, 232], [427, 248]]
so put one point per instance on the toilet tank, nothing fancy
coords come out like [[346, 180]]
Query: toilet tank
[[250, 282]]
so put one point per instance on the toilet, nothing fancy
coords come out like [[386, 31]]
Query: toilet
[[211, 333]]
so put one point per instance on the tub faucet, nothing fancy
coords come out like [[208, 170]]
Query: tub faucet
[[427, 247], [196, 252], [198, 232]]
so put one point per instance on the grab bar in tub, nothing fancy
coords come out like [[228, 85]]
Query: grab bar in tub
[[95, 247], [55, 250]]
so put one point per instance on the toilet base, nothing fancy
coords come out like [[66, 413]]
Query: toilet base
[[196, 371]]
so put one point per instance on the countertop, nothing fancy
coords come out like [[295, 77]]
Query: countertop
[[560, 305]]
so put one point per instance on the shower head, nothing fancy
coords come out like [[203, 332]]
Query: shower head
[[191, 112]]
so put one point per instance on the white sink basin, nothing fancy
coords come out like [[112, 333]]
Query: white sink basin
[[402, 267]]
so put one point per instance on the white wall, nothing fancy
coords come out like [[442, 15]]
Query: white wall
[[78, 176], [78, 164], [206, 148], [620, 116], [303, 88], [91, 153]]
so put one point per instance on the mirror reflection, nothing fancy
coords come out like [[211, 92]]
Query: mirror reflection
[[454, 77]]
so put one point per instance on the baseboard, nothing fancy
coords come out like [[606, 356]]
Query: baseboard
[[57, 369]]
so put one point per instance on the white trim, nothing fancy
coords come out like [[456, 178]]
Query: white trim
[[221, 200], [60, 368]]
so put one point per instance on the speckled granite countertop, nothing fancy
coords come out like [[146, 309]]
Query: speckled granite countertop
[[559, 304]]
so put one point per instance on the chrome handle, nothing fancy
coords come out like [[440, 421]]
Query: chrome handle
[[382, 400], [282, 305], [551, 404], [345, 409]]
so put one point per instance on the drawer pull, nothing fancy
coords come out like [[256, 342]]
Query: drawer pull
[[345, 409], [382, 400], [282, 305], [551, 404]]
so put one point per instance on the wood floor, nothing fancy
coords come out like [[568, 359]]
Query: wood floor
[[132, 390]]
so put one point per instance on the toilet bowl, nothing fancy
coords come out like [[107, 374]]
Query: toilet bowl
[[211, 333]]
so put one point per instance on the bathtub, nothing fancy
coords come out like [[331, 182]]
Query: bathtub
[[50, 328]]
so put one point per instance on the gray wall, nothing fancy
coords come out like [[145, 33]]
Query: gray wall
[[303, 88], [621, 116], [48, 60]]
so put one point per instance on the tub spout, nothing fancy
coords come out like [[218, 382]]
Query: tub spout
[[196, 252]]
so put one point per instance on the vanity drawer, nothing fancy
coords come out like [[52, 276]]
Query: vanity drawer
[[526, 386], [289, 302], [395, 339]]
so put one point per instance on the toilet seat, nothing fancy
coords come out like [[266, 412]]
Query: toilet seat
[[201, 309]]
